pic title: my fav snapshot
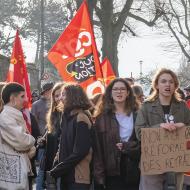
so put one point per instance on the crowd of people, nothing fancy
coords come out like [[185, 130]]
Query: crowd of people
[[89, 144]]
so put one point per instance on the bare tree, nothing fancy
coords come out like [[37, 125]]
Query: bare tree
[[184, 72], [176, 18], [113, 17]]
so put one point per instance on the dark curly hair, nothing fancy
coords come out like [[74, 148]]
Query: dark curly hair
[[131, 104], [76, 98]]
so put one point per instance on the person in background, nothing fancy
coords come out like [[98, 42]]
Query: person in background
[[138, 92], [181, 93], [35, 132], [116, 149], [35, 95], [130, 81], [1, 102], [163, 108], [13, 127], [39, 110], [41, 107], [75, 150], [187, 98]]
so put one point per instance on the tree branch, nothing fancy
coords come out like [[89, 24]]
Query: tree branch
[[186, 15], [177, 38], [132, 32], [148, 23], [99, 13], [176, 16], [6, 41], [97, 23], [123, 15]]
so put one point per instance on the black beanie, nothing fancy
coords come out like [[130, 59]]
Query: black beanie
[[9, 89]]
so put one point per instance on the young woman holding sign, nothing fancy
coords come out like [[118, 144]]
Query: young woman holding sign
[[163, 109]]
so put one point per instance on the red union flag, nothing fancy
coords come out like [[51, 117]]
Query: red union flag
[[75, 53], [18, 73], [107, 71]]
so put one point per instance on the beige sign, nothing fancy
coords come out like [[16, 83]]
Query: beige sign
[[163, 151]]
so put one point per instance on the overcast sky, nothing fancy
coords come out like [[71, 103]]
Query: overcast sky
[[151, 49]]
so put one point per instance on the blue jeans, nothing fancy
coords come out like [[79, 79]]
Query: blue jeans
[[40, 176]]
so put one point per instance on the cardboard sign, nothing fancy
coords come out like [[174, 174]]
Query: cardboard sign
[[163, 151]]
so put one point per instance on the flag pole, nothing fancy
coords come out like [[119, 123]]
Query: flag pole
[[42, 42]]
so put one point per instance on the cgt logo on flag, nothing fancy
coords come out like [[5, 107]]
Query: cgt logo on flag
[[75, 54], [83, 41], [82, 69]]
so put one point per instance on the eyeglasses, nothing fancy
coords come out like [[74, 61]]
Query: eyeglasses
[[119, 89]]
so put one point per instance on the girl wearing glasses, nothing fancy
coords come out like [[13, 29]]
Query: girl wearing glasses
[[116, 151], [163, 109]]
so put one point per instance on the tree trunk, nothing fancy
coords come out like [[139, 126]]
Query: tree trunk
[[37, 49], [109, 47], [110, 40], [91, 5]]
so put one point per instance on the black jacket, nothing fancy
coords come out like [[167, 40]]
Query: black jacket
[[75, 148], [52, 142], [35, 133]]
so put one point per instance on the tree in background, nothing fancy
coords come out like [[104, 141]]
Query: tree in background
[[184, 72], [176, 18], [113, 17], [11, 11], [25, 16], [112, 20], [55, 20]]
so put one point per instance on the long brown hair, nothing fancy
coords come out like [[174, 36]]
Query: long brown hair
[[96, 102], [76, 98], [155, 92], [131, 104], [52, 112]]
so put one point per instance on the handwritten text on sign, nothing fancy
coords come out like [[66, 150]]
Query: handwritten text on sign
[[164, 151]]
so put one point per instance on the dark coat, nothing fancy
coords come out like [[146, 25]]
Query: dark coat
[[52, 142], [35, 133], [108, 160], [75, 152]]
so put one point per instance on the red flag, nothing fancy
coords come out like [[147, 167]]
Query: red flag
[[75, 53], [18, 73], [107, 71]]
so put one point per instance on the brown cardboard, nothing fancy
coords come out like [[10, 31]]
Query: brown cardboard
[[163, 151]]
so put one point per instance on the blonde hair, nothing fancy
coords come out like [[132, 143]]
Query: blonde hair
[[155, 92], [53, 107]]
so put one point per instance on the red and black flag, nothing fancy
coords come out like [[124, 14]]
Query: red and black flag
[[75, 53], [107, 71]]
